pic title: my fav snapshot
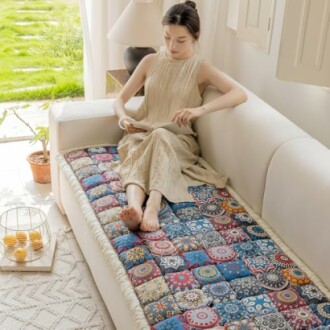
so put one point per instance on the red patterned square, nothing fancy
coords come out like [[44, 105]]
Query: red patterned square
[[105, 203], [161, 248], [181, 281], [234, 235], [286, 299], [143, 273], [223, 222], [302, 318], [221, 253]]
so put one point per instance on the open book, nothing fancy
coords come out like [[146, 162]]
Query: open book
[[173, 127]]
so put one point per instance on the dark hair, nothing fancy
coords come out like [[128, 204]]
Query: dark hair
[[184, 14]]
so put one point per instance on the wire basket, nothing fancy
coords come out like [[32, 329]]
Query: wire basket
[[24, 233]]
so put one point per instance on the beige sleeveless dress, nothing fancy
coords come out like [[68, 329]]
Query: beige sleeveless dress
[[160, 159]]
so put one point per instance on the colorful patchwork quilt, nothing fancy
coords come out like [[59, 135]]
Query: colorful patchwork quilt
[[209, 266]]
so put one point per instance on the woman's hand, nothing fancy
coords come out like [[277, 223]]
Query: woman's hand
[[128, 127], [184, 116]]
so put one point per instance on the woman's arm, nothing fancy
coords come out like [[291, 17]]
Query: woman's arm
[[135, 82], [210, 76]]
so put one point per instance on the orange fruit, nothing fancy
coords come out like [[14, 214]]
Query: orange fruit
[[10, 240], [20, 254], [36, 244], [21, 236], [34, 234]]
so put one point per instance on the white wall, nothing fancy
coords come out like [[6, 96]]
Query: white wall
[[306, 105]]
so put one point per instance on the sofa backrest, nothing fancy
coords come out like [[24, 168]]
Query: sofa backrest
[[240, 142]]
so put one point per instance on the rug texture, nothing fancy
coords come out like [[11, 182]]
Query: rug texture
[[61, 299]]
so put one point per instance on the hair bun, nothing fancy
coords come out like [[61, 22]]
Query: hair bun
[[191, 4]]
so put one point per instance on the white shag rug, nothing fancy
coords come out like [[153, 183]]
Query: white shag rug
[[65, 298]]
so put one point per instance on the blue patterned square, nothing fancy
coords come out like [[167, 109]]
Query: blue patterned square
[[190, 213], [256, 232], [202, 193], [231, 311], [98, 192], [115, 229], [207, 275], [267, 246], [219, 293], [246, 287], [196, 259], [243, 219], [174, 230], [135, 256], [96, 150], [258, 265], [200, 226], [171, 264], [112, 149], [161, 310], [311, 294], [168, 218], [233, 269], [121, 197], [93, 181], [259, 305], [246, 249], [322, 311], [87, 171], [211, 239], [177, 206], [164, 208], [126, 242], [173, 323]]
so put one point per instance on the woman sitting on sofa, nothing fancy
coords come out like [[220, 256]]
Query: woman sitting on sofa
[[164, 160]]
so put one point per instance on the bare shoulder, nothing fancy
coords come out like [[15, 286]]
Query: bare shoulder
[[208, 72]]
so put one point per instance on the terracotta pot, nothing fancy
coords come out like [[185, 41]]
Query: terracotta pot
[[40, 170]]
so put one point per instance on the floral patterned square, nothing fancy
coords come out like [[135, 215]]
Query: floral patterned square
[[234, 235], [105, 203], [259, 305], [121, 198], [164, 208], [286, 299], [223, 253], [191, 299], [311, 294], [126, 242], [174, 230], [267, 246], [256, 232], [181, 205], [79, 163], [302, 318], [162, 309], [200, 226], [233, 269], [75, 154], [231, 311], [181, 281], [157, 235], [96, 150], [115, 229], [272, 321], [102, 158], [322, 311], [245, 324], [87, 171], [171, 264], [202, 193], [246, 249], [98, 192], [175, 322], [167, 219], [232, 206], [212, 208], [196, 259], [281, 261], [110, 215], [116, 186], [207, 275], [144, 272], [296, 276], [92, 181], [246, 287], [135, 256], [223, 222], [106, 166], [243, 219], [113, 149], [260, 264], [201, 318], [152, 290], [111, 176], [187, 214], [187, 243], [219, 293], [211, 239], [161, 248], [222, 194]]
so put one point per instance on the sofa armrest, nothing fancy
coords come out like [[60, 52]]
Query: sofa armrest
[[79, 124]]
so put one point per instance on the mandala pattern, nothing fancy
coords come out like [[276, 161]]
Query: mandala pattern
[[256, 232], [110, 215], [162, 309], [272, 321], [221, 253], [101, 158], [211, 208], [106, 166], [75, 154], [296, 276], [157, 235], [196, 259], [112, 149], [202, 194], [246, 249], [211, 239], [274, 281], [231, 311], [204, 318], [126, 242], [207, 275], [167, 219], [164, 208], [174, 230], [187, 243], [161, 248], [260, 264], [233, 269], [267, 246], [115, 229], [87, 171], [79, 163], [111, 176], [232, 206], [234, 235], [223, 222], [135, 256], [181, 281], [116, 186], [286, 299], [152, 290], [143, 273], [171, 264], [187, 214], [174, 322], [191, 299], [281, 261], [93, 181], [105, 203], [302, 318], [219, 293], [182, 205], [98, 192], [243, 219], [222, 194], [121, 198], [259, 305], [200, 226], [322, 311], [311, 294], [246, 287], [96, 150]]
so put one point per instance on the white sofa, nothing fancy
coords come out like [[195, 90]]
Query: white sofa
[[275, 169]]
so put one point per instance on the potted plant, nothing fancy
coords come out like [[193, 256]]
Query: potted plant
[[38, 160]]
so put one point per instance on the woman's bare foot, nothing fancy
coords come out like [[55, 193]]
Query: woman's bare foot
[[150, 220], [132, 217]]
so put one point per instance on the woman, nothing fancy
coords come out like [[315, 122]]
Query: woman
[[160, 162]]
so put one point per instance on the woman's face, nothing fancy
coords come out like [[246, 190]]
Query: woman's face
[[178, 42]]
